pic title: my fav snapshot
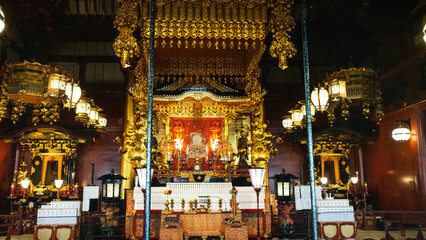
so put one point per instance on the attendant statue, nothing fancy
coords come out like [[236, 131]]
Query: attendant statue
[[109, 222], [242, 146], [284, 216]]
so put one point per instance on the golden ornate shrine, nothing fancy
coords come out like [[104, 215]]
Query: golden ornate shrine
[[207, 81]]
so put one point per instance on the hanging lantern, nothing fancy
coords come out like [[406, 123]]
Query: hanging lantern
[[102, 120], [424, 33], [303, 109], [319, 97], [296, 116], [82, 109], [26, 82], [94, 115], [73, 93], [57, 85], [337, 89], [2, 24], [287, 122]]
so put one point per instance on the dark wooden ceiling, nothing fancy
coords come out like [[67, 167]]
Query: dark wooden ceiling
[[377, 34]]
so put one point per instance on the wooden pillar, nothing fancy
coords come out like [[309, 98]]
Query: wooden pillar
[[418, 149], [361, 165]]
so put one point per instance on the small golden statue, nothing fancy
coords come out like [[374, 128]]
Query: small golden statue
[[167, 210], [190, 206], [183, 205]]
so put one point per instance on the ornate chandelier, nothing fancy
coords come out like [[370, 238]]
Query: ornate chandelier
[[43, 91], [354, 89]]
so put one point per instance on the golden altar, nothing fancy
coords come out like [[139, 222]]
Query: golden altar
[[208, 94]]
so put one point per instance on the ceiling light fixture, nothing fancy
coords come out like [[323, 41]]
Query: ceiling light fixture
[[402, 133]]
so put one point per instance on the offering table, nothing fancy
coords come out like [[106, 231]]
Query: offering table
[[192, 221]]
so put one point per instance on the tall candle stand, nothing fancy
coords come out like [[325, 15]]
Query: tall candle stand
[[210, 162], [169, 163]]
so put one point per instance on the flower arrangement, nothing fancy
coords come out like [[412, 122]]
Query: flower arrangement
[[167, 193], [168, 148], [220, 200], [224, 149]]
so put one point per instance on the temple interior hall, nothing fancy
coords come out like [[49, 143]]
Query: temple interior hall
[[213, 119]]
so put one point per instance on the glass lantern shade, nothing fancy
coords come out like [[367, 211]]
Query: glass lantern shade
[[296, 117], [58, 183], [25, 183], [285, 189], [57, 85], [401, 133], [111, 187], [303, 110], [2, 24], [354, 180], [93, 115], [337, 89], [82, 107], [142, 176], [257, 176], [424, 33], [319, 99], [323, 180], [73, 93], [287, 122], [102, 120]]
